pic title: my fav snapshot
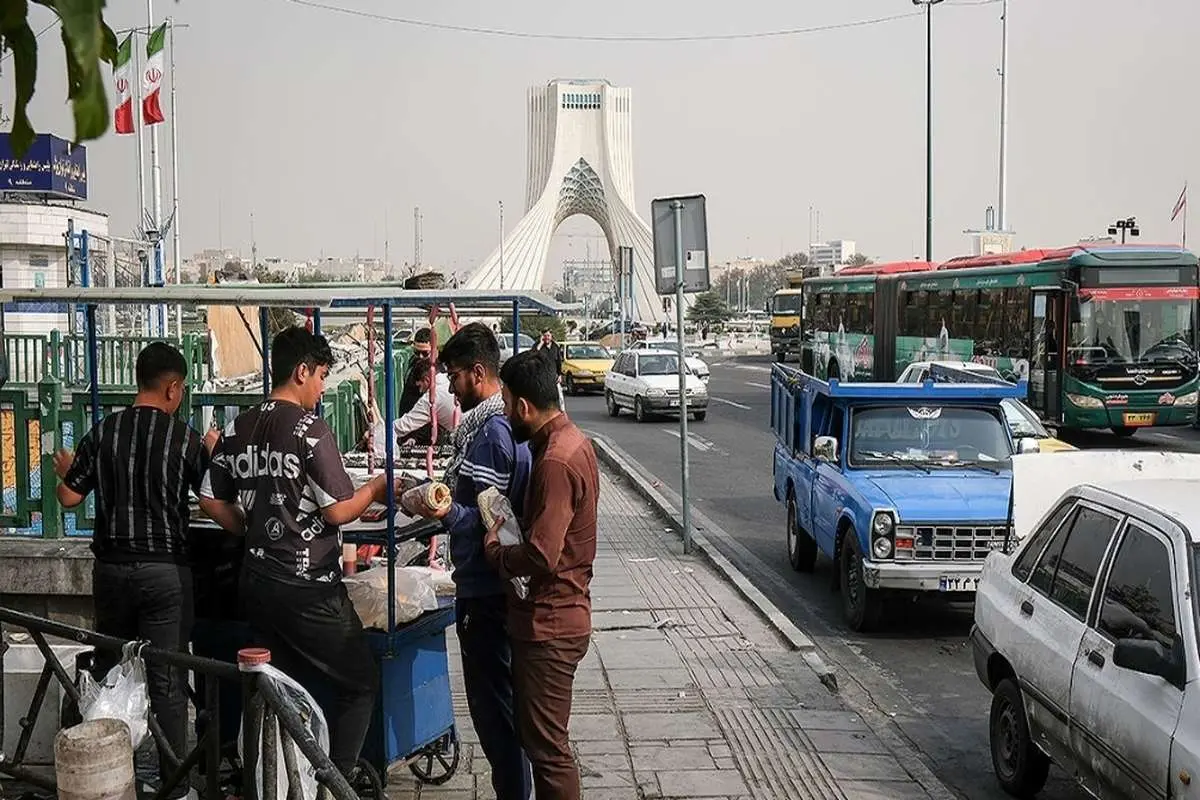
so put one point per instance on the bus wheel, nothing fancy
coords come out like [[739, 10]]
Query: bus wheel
[[1124, 431]]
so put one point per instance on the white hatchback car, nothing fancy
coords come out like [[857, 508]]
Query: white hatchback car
[[1086, 637], [693, 362], [647, 381]]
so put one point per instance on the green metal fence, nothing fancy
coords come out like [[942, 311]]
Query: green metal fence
[[32, 358]]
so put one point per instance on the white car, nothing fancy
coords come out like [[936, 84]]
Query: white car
[[647, 382], [1086, 636], [506, 344], [694, 363], [918, 371]]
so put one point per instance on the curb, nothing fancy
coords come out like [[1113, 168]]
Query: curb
[[624, 464]]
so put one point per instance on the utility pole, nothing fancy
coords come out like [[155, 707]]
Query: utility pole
[[253, 246], [416, 236], [1002, 200], [929, 4]]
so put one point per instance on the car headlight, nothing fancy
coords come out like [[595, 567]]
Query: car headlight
[[1188, 399], [1083, 401], [882, 547], [656, 393], [882, 524]]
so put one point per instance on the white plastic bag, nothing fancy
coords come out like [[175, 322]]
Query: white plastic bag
[[441, 580], [492, 506], [414, 593], [314, 720], [123, 695]]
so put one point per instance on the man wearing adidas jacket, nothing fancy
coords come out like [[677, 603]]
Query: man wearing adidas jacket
[[485, 455]]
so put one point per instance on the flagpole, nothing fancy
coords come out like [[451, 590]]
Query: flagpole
[[175, 254], [156, 196], [135, 97]]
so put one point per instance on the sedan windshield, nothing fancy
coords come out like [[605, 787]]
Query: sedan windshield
[[658, 365], [587, 351], [925, 436], [1137, 331]]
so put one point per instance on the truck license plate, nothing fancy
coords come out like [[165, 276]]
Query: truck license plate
[[957, 584], [1139, 419]]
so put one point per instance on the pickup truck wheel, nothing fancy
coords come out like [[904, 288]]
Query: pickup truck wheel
[[639, 410], [802, 549], [614, 410], [862, 607], [1021, 768]]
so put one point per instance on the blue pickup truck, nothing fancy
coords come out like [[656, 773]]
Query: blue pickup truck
[[905, 487]]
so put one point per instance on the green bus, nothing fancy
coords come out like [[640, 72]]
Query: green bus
[[1104, 334]]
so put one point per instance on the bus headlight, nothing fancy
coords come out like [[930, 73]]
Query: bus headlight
[[1083, 401], [1188, 399]]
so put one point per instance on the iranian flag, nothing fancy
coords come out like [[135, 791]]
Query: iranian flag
[[123, 115], [152, 77]]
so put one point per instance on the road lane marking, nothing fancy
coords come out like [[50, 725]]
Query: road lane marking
[[698, 442], [729, 403], [753, 367], [758, 385]]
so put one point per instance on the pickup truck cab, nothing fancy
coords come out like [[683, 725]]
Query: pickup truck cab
[[905, 487], [1086, 635]]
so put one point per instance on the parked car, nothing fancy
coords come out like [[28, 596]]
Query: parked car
[[506, 344], [691, 357], [647, 382], [1086, 635], [585, 365], [919, 371]]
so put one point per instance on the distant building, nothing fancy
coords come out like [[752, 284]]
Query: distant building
[[827, 256]]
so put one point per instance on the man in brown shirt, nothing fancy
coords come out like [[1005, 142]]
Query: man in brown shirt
[[550, 628]]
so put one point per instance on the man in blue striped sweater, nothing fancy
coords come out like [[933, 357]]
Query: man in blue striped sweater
[[485, 455]]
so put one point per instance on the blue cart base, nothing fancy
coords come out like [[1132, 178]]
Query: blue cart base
[[414, 713]]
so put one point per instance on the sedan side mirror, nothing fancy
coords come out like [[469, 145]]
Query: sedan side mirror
[[1028, 445], [1149, 658], [825, 448]]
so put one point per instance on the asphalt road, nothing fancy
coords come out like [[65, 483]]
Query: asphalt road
[[919, 669]]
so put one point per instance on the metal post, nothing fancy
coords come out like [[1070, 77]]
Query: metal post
[[316, 327], [685, 476], [93, 364], [389, 467], [929, 132], [516, 326], [176, 256], [263, 332]]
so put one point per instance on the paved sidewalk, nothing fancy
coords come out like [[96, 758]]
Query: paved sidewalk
[[686, 692]]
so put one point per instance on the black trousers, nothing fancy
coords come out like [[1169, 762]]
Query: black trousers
[[315, 636], [150, 601], [482, 628]]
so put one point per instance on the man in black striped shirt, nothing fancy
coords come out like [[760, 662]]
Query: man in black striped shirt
[[142, 463]]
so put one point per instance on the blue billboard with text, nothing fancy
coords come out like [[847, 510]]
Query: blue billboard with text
[[50, 166]]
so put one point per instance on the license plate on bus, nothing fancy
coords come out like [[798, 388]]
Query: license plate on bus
[[1138, 419], [958, 583]]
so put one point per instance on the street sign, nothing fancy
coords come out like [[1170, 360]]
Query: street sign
[[693, 226]]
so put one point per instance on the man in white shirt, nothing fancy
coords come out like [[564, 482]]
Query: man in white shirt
[[416, 425]]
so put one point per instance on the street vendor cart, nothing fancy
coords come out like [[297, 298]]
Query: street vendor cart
[[413, 722]]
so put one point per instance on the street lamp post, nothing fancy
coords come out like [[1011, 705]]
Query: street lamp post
[[1126, 226], [929, 4]]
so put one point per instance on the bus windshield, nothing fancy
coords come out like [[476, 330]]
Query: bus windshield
[[1128, 330], [787, 304]]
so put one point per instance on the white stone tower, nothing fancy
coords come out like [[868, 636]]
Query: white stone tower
[[580, 162]]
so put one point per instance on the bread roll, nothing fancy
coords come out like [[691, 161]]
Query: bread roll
[[433, 496]]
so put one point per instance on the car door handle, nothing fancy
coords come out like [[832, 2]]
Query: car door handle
[[1026, 608], [1095, 658]]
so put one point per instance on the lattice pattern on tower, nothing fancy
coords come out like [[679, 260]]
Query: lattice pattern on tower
[[582, 192]]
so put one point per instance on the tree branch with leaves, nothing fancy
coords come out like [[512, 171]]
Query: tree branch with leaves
[[88, 43]]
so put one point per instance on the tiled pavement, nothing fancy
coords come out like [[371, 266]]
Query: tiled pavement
[[686, 693]]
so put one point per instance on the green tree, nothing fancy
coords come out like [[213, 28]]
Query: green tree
[[708, 309], [858, 260], [793, 261], [533, 324], [87, 43]]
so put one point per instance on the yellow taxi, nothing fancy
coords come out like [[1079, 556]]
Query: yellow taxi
[[1024, 424], [584, 366]]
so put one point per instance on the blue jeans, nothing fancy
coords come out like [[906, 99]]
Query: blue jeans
[[482, 630]]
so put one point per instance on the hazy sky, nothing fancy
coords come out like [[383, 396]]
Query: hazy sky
[[322, 123]]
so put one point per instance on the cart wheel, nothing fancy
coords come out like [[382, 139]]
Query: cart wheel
[[366, 783], [437, 763]]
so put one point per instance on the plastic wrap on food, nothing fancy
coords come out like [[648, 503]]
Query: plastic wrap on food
[[414, 591], [492, 506], [427, 498], [441, 580]]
